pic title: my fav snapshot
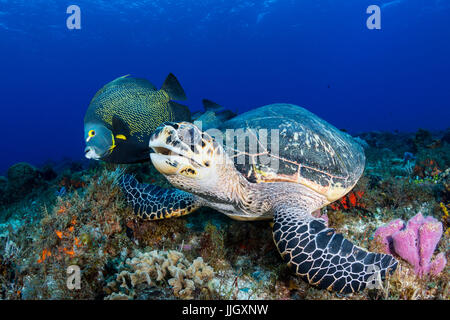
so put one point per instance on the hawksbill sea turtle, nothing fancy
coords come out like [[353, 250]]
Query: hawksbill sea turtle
[[303, 165]]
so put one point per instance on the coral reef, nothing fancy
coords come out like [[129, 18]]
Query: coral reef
[[415, 242], [445, 217], [155, 267], [3, 188], [212, 246], [81, 230], [71, 213], [22, 177]]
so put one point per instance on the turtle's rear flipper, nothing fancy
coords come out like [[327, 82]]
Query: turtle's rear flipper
[[151, 202], [323, 257]]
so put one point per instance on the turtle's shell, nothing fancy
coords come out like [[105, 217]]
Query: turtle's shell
[[284, 142]]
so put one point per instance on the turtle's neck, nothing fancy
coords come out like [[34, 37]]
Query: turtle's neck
[[229, 186], [260, 198], [250, 197]]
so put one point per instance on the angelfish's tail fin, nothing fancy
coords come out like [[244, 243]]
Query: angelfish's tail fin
[[180, 112]]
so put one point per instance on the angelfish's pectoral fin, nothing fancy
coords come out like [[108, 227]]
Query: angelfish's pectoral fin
[[129, 150], [119, 128], [126, 148], [151, 202], [323, 257]]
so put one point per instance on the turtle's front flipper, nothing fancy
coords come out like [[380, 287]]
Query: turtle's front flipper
[[322, 256], [151, 202]]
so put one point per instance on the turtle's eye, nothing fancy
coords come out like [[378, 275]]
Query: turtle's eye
[[91, 133]]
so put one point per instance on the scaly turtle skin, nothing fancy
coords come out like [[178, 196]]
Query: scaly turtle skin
[[278, 161], [151, 202]]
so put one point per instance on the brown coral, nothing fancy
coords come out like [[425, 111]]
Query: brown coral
[[153, 267]]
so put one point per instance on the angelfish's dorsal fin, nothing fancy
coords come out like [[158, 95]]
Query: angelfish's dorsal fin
[[119, 79], [211, 105], [120, 128], [122, 77], [173, 88]]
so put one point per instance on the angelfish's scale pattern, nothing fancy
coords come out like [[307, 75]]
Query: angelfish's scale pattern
[[135, 101], [323, 257], [151, 202]]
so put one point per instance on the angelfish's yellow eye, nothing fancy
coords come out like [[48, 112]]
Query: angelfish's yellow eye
[[91, 133]]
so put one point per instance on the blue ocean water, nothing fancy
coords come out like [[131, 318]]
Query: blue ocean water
[[240, 53]]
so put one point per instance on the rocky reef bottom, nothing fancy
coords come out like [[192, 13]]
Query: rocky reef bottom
[[55, 222]]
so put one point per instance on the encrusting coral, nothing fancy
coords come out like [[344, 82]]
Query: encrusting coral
[[415, 242], [83, 228], [155, 267]]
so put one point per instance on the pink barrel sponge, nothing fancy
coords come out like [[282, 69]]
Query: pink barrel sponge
[[415, 242]]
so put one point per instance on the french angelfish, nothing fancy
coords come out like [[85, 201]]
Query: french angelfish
[[125, 112]]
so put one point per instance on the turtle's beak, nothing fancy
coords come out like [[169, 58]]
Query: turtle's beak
[[165, 141], [170, 153], [181, 149], [167, 165]]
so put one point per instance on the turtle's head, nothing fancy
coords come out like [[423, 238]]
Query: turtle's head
[[189, 158]]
